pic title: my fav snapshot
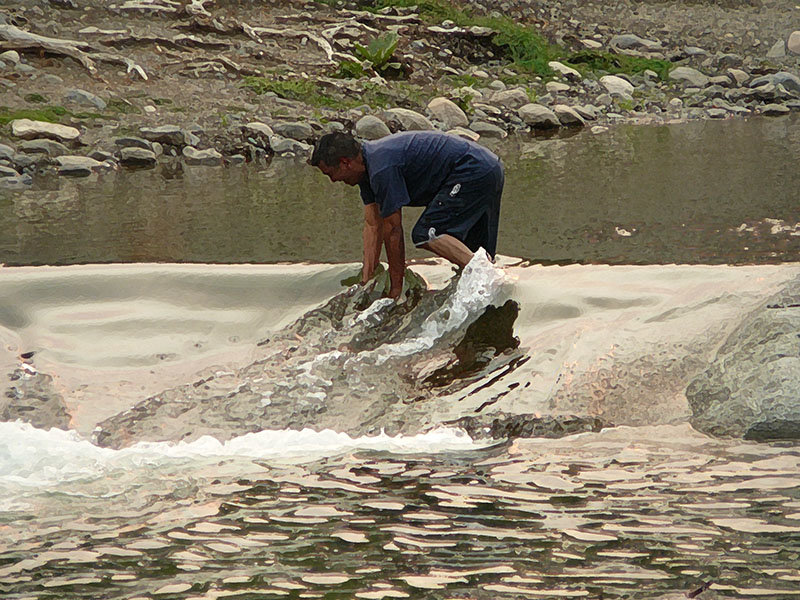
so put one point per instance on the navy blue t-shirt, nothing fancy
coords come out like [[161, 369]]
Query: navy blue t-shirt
[[408, 169]]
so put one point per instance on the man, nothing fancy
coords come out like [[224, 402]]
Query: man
[[459, 182]]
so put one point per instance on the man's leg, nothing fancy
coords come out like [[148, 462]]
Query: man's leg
[[450, 248]]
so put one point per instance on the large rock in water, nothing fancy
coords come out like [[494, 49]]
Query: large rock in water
[[752, 389]]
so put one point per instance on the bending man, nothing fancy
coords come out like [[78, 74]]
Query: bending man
[[459, 182]]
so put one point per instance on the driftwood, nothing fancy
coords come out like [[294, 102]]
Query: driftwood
[[18, 39]]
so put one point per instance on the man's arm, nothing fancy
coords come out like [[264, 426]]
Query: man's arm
[[373, 228], [395, 251]]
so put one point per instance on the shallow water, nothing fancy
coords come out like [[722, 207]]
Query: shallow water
[[644, 508], [716, 192]]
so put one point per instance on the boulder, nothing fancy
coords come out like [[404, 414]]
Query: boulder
[[447, 112], [409, 120], [564, 70], [206, 158], [788, 80], [171, 135], [689, 76], [617, 86], [629, 41], [751, 387], [488, 130], [295, 130], [793, 43], [512, 98], [370, 127], [568, 116], [44, 146], [85, 98], [29, 130], [774, 110], [137, 157], [538, 116], [77, 166]]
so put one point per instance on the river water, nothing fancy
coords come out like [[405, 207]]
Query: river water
[[259, 430]]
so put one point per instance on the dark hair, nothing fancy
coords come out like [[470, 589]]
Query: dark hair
[[333, 146]]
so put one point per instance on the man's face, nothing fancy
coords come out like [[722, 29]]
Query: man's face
[[348, 170]]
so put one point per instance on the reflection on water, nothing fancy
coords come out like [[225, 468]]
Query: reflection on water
[[625, 513], [700, 192]]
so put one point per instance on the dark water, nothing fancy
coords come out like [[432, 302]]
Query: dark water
[[702, 192]]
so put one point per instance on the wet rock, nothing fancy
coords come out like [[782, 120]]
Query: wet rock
[[528, 426], [77, 166], [538, 116], [512, 98], [617, 86], [43, 146], [370, 127], [29, 130], [85, 98], [137, 157], [166, 134], [447, 112], [568, 116], [689, 76], [31, 397], [774, 110], [206, 158], [788, 80], [629, 41], [488, 130], [409, 120], [793, 43], [750, 389], [296, 130]]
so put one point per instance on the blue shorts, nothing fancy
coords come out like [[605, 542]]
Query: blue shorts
[[469, 211]]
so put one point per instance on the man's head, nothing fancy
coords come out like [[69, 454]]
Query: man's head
[[338, 155]]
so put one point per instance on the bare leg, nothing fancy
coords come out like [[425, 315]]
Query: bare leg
[[450, 248]]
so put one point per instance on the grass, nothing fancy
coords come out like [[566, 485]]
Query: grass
[[49, 114], [597, 61]]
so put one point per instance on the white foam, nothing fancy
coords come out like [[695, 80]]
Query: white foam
[[31, 457]]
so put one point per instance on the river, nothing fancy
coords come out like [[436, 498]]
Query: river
[[255, 429]]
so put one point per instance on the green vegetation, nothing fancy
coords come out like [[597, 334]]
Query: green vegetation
[[594, 60], [35, 98], [304, 90], [123, 106], [349, 69], [379, 51], [50, 114]]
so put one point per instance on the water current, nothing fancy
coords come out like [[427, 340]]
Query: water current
[[537, 429]]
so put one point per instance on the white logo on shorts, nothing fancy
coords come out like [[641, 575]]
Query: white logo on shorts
[[455, 190]]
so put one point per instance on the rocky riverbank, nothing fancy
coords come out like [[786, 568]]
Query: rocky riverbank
[[87, 86]]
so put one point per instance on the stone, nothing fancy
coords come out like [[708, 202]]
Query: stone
[[591, 44], [511, 98], [370, 127], [85, 98], [282, 145], [689, 76], [29, 130], [556, 87], [103, 156], [295, 130], [568, 116], [538, 116], [695, 51], [629, 41], [137, 157], [717, 113], [617, 86], [207, 158], [77, 166], [778, 50], [133, 142], [775, 110], [43, 146], [465, 133], [409, 120], [738, 76], [787, 80], [750, 388], [6, 151], [171, 135], [562, 69], [7, 172], [488, 130], [258, 128], [587, 111], [10, 56], [793, 43], [447, 112]]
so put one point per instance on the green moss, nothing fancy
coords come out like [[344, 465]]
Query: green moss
[[123, 106], [595, 60], [349, 69], [36, 98], [50, 114], [161, 101]]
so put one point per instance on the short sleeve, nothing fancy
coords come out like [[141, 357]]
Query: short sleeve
[[367, 197], [389, 190]]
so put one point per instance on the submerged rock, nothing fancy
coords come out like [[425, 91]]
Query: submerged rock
[[752, 387]]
